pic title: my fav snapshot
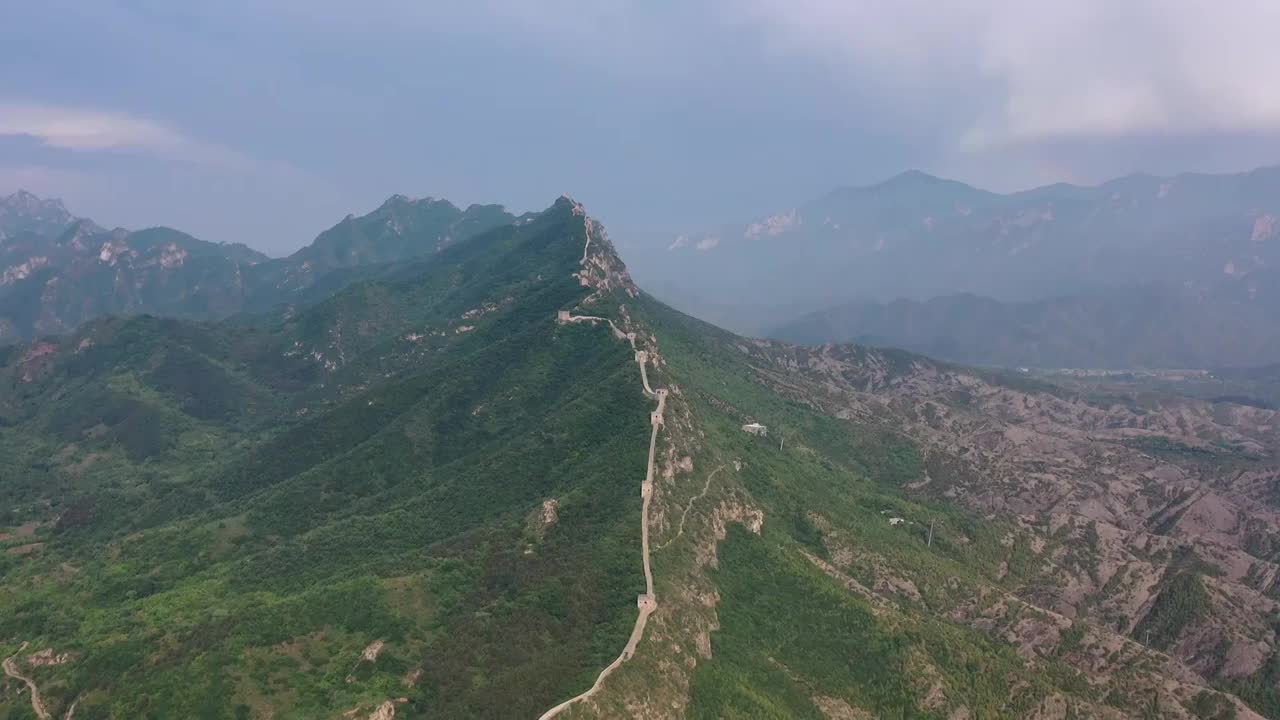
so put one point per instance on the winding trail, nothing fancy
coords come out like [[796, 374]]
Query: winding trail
[[648, 602], [689, 506], [11, 669]]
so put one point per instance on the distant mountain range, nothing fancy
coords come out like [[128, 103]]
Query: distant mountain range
[[1197, 254], [58, 271]]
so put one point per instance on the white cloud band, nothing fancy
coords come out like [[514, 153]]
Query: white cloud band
[[94, 130]]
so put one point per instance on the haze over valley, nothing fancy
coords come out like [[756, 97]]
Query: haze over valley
[[1139, 272]]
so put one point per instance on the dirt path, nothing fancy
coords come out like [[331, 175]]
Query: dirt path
[[689, 506], [11, 669], [647, 603]]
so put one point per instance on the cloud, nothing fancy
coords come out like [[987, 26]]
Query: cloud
[[100, 131], [984, 73], [1050, 70], [1111, 69]]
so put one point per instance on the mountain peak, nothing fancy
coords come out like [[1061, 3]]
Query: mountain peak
[[24, 201], [23, 211], [400, 199], [397, 200], [917, 180], [913, 176], [566, 201]]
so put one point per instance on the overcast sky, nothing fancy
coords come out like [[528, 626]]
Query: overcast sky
[[266, 121]]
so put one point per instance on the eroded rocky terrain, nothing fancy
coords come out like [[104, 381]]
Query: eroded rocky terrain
[[1149, 522]]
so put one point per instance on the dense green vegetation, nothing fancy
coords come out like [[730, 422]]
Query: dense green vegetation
[[1182, 599], [781, 618], [237, 521]]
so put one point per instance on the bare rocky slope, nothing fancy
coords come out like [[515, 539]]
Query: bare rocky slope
[[1153, 521]]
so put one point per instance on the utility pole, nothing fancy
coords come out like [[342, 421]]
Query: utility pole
[[930, 541], [781, 440]]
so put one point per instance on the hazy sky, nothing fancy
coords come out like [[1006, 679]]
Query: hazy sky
[[265, 121]]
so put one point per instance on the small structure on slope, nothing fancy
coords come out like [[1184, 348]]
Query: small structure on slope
[[755, 428]]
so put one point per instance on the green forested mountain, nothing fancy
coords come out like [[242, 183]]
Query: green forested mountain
[[437, 493], [231, 498], [58, 271]]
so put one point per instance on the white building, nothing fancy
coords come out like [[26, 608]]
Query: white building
[[755, 428]]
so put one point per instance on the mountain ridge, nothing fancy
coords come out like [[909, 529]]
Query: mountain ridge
[[57, 270]]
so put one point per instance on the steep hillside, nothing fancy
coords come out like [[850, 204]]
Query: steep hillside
[[507, 483], [1130, 328], [57, 271]]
